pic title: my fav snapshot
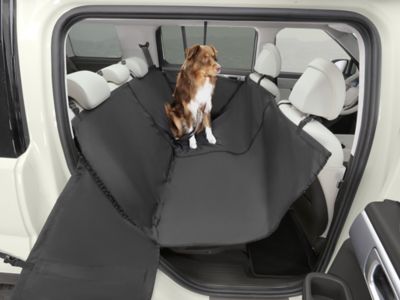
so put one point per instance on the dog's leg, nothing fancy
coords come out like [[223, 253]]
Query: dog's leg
[[207, 124], [192, 142]]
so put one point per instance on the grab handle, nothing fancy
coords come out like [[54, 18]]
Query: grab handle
[[378, 281]]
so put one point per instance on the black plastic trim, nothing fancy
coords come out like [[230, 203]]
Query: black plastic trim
[[370, 110], [385, 218], [292, 289], [325, 286], [8, 278], [289, 75], [14, 130]]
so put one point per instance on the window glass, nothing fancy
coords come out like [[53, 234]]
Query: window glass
[[95, 40], [235, 45], [172, 44], [299, 46]]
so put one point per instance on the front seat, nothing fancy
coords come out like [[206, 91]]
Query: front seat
[[267, 69], [319, 93]]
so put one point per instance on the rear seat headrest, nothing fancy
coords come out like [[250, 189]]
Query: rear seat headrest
[[137, 66], [116, 73], [268, 62], [320, 91], [87, 88]]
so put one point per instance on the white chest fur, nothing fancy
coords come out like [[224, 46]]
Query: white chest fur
[[202, 99], [204, 93]]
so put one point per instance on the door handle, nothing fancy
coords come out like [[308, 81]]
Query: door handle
[[378, 281]]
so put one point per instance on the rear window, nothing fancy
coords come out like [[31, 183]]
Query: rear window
[[235, 45], [94, 40]]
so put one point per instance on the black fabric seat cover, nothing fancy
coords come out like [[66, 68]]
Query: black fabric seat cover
[[240, 189], [138, 190], [153, 91], [131, 156], [87, 251]]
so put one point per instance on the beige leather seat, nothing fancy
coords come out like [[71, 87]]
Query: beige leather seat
[[267, 69]]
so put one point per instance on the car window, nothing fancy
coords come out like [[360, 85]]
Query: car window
[[299, 46], [94, 40], [235, 45]]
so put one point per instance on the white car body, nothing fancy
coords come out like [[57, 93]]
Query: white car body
[[31, 183]]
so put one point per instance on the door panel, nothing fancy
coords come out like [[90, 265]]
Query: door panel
[[375, 237], [369, 262], [346, 260]]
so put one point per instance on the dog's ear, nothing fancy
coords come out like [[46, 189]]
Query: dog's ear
[[214, 50], [192, 52]]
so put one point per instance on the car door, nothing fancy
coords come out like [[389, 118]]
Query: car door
[[375, 237], [367, 265]]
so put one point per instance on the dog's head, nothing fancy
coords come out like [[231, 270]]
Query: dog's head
[[203, 58]]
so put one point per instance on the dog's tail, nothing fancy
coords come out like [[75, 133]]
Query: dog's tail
[[174, 121]]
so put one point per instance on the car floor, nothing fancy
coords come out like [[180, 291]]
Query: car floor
[[5, 291], [281, 259]]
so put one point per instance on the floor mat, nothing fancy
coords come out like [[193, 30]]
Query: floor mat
[[5, 291], [285, 253], [224, 270]]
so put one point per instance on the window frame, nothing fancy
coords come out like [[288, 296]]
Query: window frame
[[164, 65]]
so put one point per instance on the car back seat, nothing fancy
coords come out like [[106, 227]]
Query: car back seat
[[116, 75], [120, 143], [267, 69], [220, 194]]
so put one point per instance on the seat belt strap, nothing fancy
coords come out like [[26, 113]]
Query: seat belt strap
[[73, 106], [283, 102], [305, 121], [273, 79], [146, 52]]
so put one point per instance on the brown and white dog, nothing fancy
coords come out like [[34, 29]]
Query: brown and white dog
[[189, 114]]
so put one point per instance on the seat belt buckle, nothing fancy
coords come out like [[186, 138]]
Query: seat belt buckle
[[339, 184], [11, 260]]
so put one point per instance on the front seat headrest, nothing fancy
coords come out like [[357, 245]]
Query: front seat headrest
[[87, 88], [268, 62], [320, 91], [137, 66], [116, 73]]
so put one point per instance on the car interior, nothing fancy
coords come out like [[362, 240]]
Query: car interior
[[277, 57]]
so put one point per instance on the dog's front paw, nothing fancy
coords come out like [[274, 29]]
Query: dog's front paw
[[210, 137], [193, 143]]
